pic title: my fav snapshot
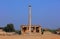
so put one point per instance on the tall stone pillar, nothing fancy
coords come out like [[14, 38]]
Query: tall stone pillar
[[29, 18]]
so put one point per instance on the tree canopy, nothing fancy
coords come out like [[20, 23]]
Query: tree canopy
[[9, 28]]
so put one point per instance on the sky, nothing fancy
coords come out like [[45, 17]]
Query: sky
[[44, 12]]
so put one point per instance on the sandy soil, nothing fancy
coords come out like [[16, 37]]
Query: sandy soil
[[45, 36]]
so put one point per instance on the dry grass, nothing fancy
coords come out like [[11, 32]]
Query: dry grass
[[47, 35]]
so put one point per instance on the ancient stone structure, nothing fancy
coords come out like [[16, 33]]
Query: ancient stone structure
[[29, 28], [35, 29]]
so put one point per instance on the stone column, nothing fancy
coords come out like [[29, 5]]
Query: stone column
[[34, 29], [40, 30], [29, 19]]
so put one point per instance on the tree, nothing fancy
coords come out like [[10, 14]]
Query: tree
[[9, 28]]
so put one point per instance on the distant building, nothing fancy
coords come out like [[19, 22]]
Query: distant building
[[58, 31], [29, 28], [1, 31]]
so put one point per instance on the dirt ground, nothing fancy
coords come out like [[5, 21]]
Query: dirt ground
[[44, 36]]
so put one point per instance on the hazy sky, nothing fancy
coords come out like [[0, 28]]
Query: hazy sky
[[44, 12]]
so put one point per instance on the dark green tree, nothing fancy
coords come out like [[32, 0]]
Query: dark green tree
[[9, 28]]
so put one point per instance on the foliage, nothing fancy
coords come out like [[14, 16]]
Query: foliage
[[53, 31], [9, 28]]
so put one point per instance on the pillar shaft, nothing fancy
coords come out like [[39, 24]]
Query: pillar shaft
[[29, 18]]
